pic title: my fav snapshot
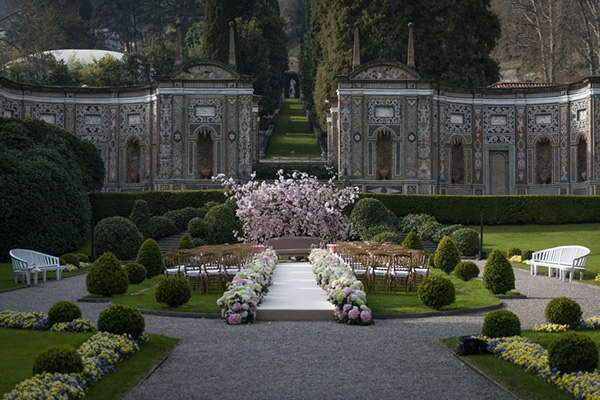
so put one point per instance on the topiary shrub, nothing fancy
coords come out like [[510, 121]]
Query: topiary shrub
[[369, 212], [121, 319], [185, 243], [173, 291], [437, 292], [573, 352], [467, 241], [150, 257], [527, 255], [160, 227], [136, 273], [119, 236], [429, 230], [412, 241], [413, 222], [447, 255], [83, 258], [69, 258], [501, 323], [199, 228], [515, 251], [222, 222], [198, 242], [107, 276], [181, 217], [140, 216], [387, 237], [498, 275], [563, 310], [58, 359], [447, 231], [372, 231], [63, 311], [466, 270]]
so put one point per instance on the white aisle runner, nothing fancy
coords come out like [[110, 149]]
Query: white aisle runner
[[295, 296]]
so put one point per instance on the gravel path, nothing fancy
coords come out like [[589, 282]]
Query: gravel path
[[399, 358]]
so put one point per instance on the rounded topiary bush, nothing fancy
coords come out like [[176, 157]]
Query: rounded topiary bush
[[565, 311], [387, 237], [467, 241], [372, 231], [150, 257], [160, 227], [136, 273], [447, 255], [369, 212], [515, 251], [222, 222], [498, 275], [140, 216], [183, 216], [121, 319], [83, 258], [173, 291], [185, 243], [501, 323], [429, 230], [107, 276], [69, 258], [63, 311], [437, 292], [413, 222], [466, 270], [58, 359], [412, 241], [447, 231], [199, 228], [527, 255], [119, 236], [573, 352]]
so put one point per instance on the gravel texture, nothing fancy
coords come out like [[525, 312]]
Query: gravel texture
[[396, 358]]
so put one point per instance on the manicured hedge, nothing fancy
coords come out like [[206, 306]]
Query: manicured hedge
[[159, 202], [497, 210]]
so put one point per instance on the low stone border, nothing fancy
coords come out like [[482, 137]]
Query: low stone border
[[461, 311], [512, 297], [155, 367], [180, 314], [84, 300]]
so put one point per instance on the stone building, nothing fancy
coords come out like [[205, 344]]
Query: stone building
[[391, 131], [174, 133]]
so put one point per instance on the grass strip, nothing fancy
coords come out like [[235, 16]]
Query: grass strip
[[293, 137]]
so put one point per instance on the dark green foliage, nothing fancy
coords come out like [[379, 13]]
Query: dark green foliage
[[136, 273], [563, 310], [119, 236], [375, 230], [160, 227], [121, 319], [412, 241], [447, 231], [83, 258], [173, 291], [413, 222], [447, 255], [150, 257], [573, 352], [527, 255], [181, 217], [140, 216], [430, 231], [501, 323], [108, 204], [63, 311], [387, 237], [498, 275], [58, 359], [222, 222], [370, 212], [45, 175], [185, 243], [437, 292], [466, 270], [198, 242], [199, 228], [69, 258], [515, 251], [467, 241], [107, 276]]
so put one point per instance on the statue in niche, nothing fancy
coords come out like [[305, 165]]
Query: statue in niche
[[292, 92]]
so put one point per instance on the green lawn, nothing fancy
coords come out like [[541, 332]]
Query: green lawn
[[469, 294], [538, 237], [515, 379], [20, 346], [293, 137]]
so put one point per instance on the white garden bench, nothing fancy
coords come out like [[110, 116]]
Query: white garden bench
[[565, 259], [27, 263]]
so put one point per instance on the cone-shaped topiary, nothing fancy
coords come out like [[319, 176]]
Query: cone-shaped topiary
[[107, 276], [150, 257], [185, 243], [58, 359], [447, 255], [573, 352], [136, 273], [501, 323], [412, 241], [565, 311], [437, 292], [120, 319], [498, 275], [63, 311]]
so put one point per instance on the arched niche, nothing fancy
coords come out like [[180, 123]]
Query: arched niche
[[457, 161], [543, 161], [582, 173], [204, 167], [384, 150], [133, 161]]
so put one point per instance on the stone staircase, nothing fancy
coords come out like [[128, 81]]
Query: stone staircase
[[430, 246], [169, 243]]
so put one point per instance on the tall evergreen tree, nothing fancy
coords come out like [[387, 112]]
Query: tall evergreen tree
[[215, 36]]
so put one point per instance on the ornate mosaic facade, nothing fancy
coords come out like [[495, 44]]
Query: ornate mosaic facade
[[148, 136], [497, 140]]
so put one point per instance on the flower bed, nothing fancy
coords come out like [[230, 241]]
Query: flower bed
[[99, 355], [586, 324], [39, 321], [71, 267], [343, 289], [247, 289]]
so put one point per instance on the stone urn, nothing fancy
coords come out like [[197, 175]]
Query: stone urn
[[205, 173], [545, 177], [384, 173], [584, 176], [135, 177], [455, 177]]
